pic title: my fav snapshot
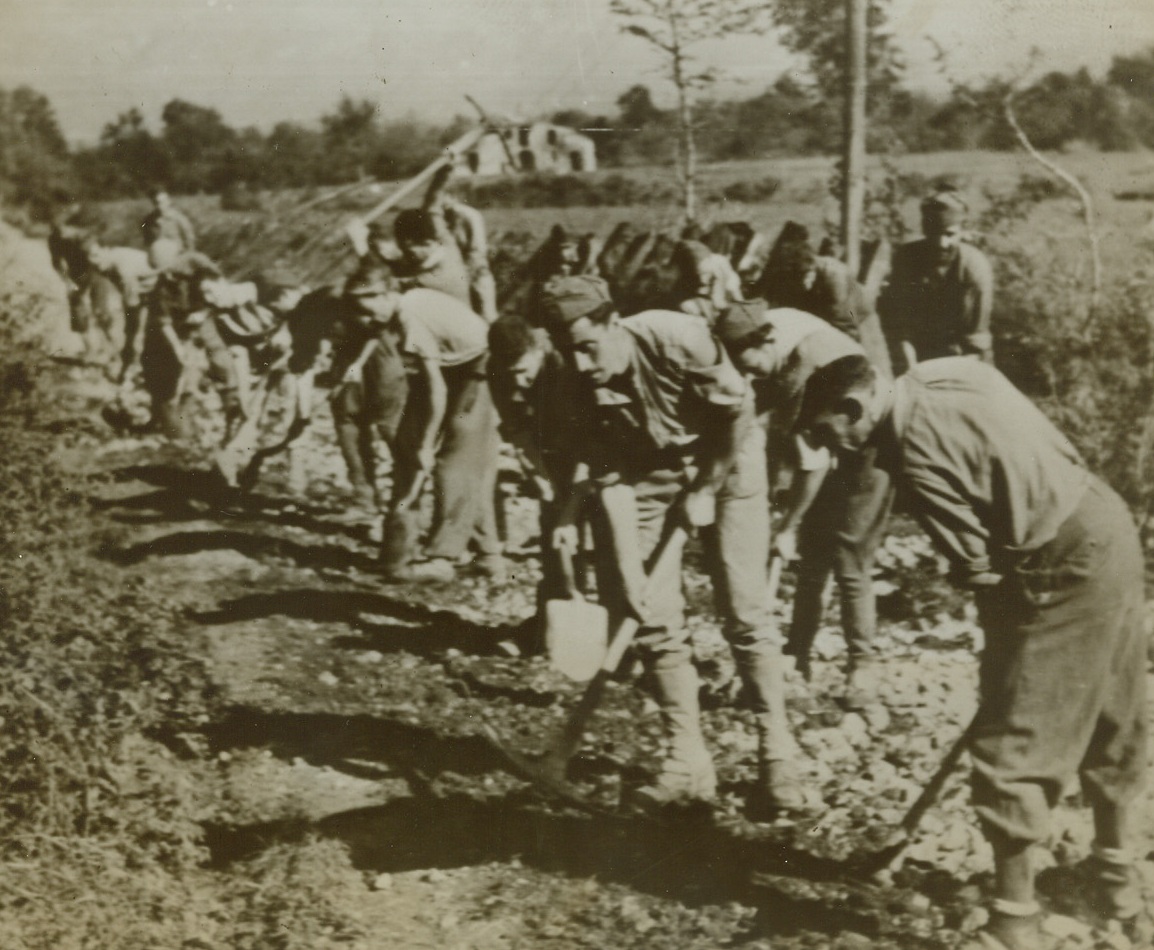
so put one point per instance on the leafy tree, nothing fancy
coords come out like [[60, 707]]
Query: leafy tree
[[636, 109], [294, 156], [35, 167], [350, 138], [127, 159], [1133, 76], [816, 29], [675, 28]]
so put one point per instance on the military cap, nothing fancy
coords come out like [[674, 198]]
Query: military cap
[[742, 320], [565, 300]]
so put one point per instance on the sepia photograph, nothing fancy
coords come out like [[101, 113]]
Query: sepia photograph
[[576, 474]]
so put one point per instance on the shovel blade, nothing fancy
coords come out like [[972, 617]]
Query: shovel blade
[[576, 637]]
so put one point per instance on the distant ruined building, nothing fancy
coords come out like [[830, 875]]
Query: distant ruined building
[[539, 147]]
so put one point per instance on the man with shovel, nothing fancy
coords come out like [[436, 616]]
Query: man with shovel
[[835, 515], [671, 443], [1056, 566], [448, 429]]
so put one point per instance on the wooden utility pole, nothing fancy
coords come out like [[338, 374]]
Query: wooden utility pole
[[853, 185]]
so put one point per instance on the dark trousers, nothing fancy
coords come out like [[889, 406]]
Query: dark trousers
[[1063, 676], [840, 535]]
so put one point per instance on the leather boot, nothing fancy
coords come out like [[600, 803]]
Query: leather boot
[[1116, 887], [687, 774], [865, 682], [779, 789]]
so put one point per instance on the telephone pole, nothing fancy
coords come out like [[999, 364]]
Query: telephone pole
[[853, 186]]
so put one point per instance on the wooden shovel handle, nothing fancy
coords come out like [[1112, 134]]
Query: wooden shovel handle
[[570, 738]]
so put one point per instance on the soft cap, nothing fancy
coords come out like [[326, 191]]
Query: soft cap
[[565, 300]]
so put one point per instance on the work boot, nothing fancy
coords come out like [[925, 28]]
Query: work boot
[[492, 566], [687, 774], [801, 662], [677, 785], [1116, 888], [864, 682], [434, 570], [780, 793]]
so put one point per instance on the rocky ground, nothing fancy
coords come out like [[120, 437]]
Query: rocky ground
[[351, 732]]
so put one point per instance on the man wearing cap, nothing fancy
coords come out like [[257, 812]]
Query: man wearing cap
[[672, 419], [448, 429], [1056, 566], [835, 516], [940, 291]]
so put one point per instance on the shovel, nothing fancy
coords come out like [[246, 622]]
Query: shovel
[[549, 770], [576, 631], [895, 842]]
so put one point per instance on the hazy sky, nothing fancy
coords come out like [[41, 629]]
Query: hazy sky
[[259, 61]]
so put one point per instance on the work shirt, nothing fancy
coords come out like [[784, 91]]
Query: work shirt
[[799, 344], [940, 310], [129, 269], [170, 225], [438, 327], [680, 384], [837, 297], [984, 471]]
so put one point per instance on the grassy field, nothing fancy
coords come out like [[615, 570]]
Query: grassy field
[[311, 242]]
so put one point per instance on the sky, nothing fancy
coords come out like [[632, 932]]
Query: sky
[[262, 61]]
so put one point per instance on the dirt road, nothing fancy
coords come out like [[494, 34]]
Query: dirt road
[[347, 729]]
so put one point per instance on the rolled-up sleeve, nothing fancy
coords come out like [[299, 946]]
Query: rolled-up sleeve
[[979, 303], [950, 520]]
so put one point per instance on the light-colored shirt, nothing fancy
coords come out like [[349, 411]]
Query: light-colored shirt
[[679, 384], [172, 225], [799, 343], [129, 269], [982, 469], [437, 327]]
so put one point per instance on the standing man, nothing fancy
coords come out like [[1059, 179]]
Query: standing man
[[672, 422], [835, 516], [1055, 563], [940, 292], [166, 222]]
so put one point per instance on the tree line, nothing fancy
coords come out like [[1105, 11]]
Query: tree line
[[194, 150]]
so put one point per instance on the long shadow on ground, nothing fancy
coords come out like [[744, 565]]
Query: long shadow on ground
[[251, 544], [695, 861], [183, 494], [422, 630]]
